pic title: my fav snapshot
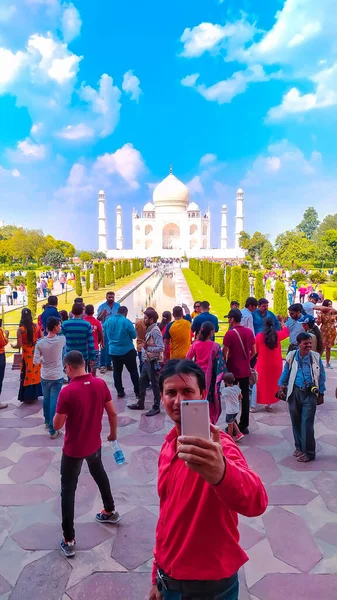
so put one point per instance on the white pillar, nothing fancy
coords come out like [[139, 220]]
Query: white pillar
[[239, 224], [119, 228], [102, 235], [224, 227]]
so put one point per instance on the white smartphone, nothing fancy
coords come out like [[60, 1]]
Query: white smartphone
[[195, 418]]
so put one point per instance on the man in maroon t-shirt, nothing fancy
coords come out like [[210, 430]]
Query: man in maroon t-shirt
[[239, 349], [97, 334], [80, 407]]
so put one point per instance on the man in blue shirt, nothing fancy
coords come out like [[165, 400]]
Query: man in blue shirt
[[106, 310], [294, 324], [120, 333], [261, 313], [302, 383], [205, 315], [50, 311]]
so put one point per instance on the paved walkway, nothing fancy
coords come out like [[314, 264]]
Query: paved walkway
[[57, 291], [292, 548]]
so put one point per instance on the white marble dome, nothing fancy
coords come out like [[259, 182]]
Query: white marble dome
[[193, 206], [171, 193], [148, 207]]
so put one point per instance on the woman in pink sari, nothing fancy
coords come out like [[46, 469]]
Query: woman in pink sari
[[208, 355]]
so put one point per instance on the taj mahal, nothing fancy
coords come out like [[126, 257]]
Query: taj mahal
[[171, 226]]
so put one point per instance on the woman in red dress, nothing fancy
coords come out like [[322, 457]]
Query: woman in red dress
[[269, 363]]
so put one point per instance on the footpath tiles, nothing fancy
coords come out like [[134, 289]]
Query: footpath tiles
[[279, 495], [291, 540], [143, 439], [44, 579], [326, 484], [141, 495], [42, 536], [40, 441], [20, 423], [24, 495], [152, 424], [264, 464], [328, 533], [4, 586], [114, 586], [31, 465], [26, 410], [279, 586], [144, 464], [135, 538], [7, 437]]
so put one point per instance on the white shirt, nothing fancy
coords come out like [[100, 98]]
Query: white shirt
[[247, 319], [309, 308], [8, 290], [230, 395]]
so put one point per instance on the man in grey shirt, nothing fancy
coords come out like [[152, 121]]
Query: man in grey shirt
[[49, 353]]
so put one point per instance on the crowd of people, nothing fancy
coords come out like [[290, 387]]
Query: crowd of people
[[173, 359]]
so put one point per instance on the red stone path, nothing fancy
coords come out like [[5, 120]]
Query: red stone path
[[292, 548]]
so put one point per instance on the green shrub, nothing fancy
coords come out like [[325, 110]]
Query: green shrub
[[101, 274], [334, 295], [333, 277], [78, 283], [258, 288], [108, 273], [32, 292], [235, 288], [318, 277], [245, 288], [221, 280], [87, 280], [280, 299], [228, 282], [20, 279], [96, 276], [298, 276]]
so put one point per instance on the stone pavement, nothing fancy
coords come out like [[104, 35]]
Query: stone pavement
[[292, 548]]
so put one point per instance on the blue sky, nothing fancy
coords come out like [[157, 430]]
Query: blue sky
[[108, 94]]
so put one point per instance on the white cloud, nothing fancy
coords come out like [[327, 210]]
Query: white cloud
[[36, 129], [126, 161], [210, 37], [105, 102], [76, 132], [207, 159], [71, 23], [10, 64], [190, 80], [224, 91], [7, 11], [131, 85], [31, 151], [16, 173], [195, 185]]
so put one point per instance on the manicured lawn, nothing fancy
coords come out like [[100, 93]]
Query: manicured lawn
[[202, 291]]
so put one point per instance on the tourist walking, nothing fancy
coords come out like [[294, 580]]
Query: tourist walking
[[261, 313], [208, 355], [302, 384], [204, 483], [79, 336], [166, 320], [81, 302], [48, 353], [251, 284], [15, 294], [152, 354], [294, 324], [269, 363], [291, 293], [140, 328], [196, 309], [9, 294], [327, 321], [4, 335], [80, 408], [231, 396], [239, 349], [97, 333], [30, 377], [44, 288], [120, 333], [302, 292], [50, 310], [205, 315], [63, 281], [106, 310], [178, 334], [247, 313]]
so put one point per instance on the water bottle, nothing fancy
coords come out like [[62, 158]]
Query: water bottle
[[117, 453]]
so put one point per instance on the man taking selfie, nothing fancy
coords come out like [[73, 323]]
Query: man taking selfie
[[202, 485]]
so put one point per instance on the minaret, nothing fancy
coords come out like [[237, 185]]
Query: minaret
[[239, 226], [119, 228], [102, 235], [224, 227]]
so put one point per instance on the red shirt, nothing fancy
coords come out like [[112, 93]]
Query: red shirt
[[83, 401], [197, 532], [237, 362], [96, 327]]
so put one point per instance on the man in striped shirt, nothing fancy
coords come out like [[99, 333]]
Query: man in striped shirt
[[79, 336]]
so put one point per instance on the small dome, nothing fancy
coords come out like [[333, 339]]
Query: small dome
[[193, 206], [119, 207], [240, 191], [101, 193], [224, 206], [171, 191], [148, 207]]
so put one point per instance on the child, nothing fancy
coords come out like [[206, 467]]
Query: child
[[231, 394]]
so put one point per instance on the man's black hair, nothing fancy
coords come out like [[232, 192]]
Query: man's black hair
[[263, 301], [303, 336], [89, 310], [74, 359], [251, 302], [296, 307], [177, 312], [77, 309], [235, 314], [205, 305], [78, 301], [52, 322], [108, 293], [52, 300], [235, 304], [182, 367], [123, 310]]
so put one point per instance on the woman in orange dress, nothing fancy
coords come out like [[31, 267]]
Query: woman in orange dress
[[327, 321], [30, 379]]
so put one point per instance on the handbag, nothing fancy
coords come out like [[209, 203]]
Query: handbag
[[253, 377]]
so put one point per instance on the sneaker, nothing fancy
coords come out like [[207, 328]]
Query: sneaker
[[3, 405], [56, 435], [328, 366], [104, 517], [120, 396], [239, 437], [68, 548], [135, 406]]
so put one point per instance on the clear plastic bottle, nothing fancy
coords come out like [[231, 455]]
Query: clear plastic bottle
[[117, 453]]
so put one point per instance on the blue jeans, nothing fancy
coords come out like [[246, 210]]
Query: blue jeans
[[302, 409], [231, 594], [105, 359], [51, 389]]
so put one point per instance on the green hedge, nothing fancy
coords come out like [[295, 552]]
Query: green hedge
[[102, 275], [280, 299], [245, 288], [87, 280], [258, 288], [235, 288], [96, 276], [78, 283], [32, 292], [228, 282]]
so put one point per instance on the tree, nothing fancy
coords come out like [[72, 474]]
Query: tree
[[309, 223], [87, 280], [228, 281], [259, 287], [32, 292], [221, 281], [267, 255], [330, 239], [244, 240], [245, 288], [280, 299], [54, 257], [254, 244], [66, 247], [85, 257], [235, 289], [292, 248], [78, 283], [98, 255], [101, 274], [96, 276], [329, 222], [108, 273]]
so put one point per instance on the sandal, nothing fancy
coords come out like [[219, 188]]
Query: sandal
[[268, 408], [252, 409], [304, 458], [297, 453]]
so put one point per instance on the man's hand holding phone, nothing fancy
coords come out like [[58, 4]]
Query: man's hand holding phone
[[204, 456]]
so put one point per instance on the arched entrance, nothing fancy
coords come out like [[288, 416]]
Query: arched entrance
[[171, 236]]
